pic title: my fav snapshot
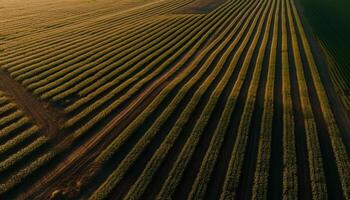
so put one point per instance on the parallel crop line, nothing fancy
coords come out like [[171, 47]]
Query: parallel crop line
[[238, 152], [126, 96], [104, 156], [159, 156], [113, 61], [317, 177], [260, 185], [339, 150], [83, 29], [290, 183]]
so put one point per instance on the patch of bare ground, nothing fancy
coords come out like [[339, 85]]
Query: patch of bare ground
[[200, 7], [45, 116]]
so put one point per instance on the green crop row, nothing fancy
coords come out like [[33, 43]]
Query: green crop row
[[8, 130], [7, 107], [188, 45], [174, 44], [88, 57], [26, 171], [81, 31], [57, 52], [238, 152], [105, 156], [11, 117], [260, 185], [290, 183], [112, 51], [187, 151], [339, 149], [3, 100], [14, 158], [101, 61], [122, 65], [132, 156], [317, 177], [55, 45], [200, 186], [18, 139], [47, 66]]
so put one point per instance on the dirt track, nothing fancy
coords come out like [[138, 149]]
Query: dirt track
[[46, 117]]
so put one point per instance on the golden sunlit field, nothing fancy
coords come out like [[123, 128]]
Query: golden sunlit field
[[168, 99]]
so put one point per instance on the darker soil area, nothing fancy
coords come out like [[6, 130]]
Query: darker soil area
[[47, 117]]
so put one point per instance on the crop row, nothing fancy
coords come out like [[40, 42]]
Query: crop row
[[184, 48], [46, 65], [103, 26], [91, 83], [191, 143], [11, 128], [11, 117], [3, 100], [132, 156], [33, 166], [18, 139], [166, 91], [6, 108], [203, 177], [164, 65], [55, 46], [290, 177], [317, 177], [339, 149], [19, 176], [81, 75], [82, 56], [260, 185], [233, 173], [20, 24], [182, 119], [17, 129], [86, 59], [156, 58], [14, 158]]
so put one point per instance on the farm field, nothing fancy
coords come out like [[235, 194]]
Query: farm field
[[168, 99]]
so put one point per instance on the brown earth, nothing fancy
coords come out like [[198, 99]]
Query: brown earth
[[47, 117]]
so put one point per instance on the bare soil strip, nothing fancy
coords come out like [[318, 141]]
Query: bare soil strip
[[42, 113]]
